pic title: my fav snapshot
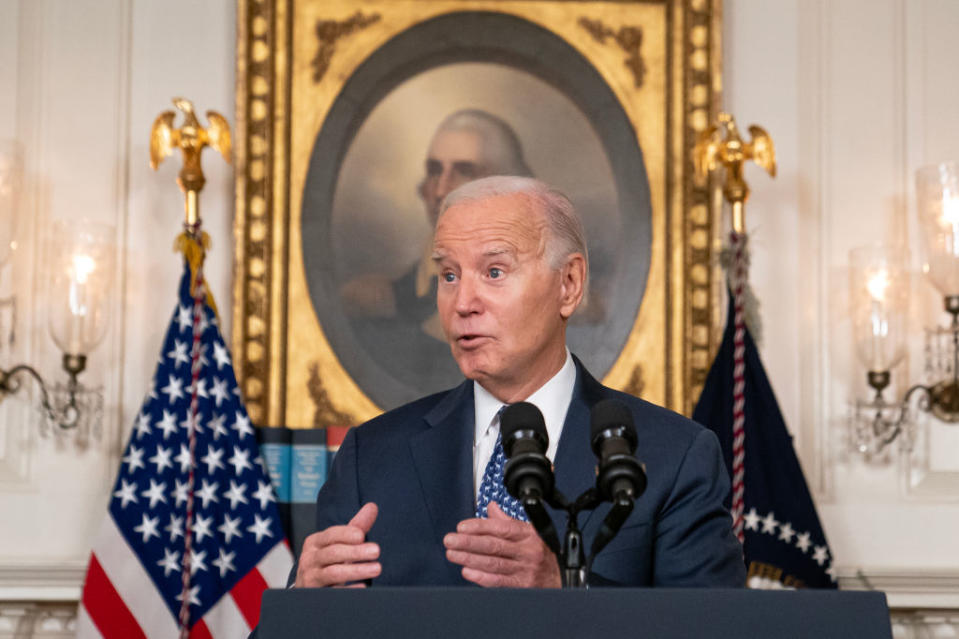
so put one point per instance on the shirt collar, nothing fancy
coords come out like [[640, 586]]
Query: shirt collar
[[552, 399]]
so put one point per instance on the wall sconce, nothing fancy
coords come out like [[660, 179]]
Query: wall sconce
[[81, 266], [879, 299], [879, 295]]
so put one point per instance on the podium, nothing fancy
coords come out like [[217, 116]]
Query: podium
[[658, 613]]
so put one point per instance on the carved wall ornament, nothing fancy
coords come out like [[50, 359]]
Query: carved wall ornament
[[325, 414], [629, 39], [329, 31]]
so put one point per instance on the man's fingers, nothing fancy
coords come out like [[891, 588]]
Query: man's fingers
[[482, 544], [485, 563], [352, 533], [501, 552], [346, 554], [334, 535], [490, 580], [346, 573], [365, 517], [506, 528], [340, 555], [338, 574]]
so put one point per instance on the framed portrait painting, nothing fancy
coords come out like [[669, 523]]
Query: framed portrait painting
[[356, 117]]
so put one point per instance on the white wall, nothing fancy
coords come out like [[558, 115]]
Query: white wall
[[856, 94], [80, 85]]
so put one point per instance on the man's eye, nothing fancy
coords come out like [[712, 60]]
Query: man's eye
[[467, 171], [495, 272], [448, 277]]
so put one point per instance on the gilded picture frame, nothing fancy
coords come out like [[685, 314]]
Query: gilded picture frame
[[310, 74]]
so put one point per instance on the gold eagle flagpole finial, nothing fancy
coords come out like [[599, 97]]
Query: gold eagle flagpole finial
[[191, 139], [713, 149]]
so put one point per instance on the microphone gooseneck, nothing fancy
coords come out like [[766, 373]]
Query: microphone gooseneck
[[528, 475], [620, 479]]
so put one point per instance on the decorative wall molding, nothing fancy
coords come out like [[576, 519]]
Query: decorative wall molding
[[921, 624], [42, 582], [908, 590], [49, 620], [814, 244]]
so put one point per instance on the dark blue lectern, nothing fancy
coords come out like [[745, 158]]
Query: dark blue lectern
[[552, 614]]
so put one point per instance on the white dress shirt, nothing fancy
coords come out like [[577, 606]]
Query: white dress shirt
[[552, 399]]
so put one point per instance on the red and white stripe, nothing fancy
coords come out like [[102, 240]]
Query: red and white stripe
[[738, 285], [120, 599]]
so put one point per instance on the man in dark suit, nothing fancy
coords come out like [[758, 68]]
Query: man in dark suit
[[405, 501]]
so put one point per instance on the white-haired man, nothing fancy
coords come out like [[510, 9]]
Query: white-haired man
[[406, 499]]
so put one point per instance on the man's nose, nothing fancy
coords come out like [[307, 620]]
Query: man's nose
[[467, 300], [446, 183]]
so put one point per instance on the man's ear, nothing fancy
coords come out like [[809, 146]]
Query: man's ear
[[572, 284]]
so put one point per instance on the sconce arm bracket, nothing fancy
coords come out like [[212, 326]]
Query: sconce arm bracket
[[10, 384]]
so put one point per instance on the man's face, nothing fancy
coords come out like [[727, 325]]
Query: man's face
[[502, 306], [455, 157]]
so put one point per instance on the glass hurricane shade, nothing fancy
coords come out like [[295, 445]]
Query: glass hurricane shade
[[879, 298], [82, 266], [11, 181], [937, 200]]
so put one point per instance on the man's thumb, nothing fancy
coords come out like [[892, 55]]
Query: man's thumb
[[365, 517], [495, 511]]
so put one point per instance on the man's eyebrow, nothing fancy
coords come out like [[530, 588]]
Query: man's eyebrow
[[437, 255], [498, 250]]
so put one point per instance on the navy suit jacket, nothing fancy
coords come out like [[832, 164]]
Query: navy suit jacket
[[416, 464]]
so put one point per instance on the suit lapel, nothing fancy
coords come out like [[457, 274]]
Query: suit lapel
[[443, 455]]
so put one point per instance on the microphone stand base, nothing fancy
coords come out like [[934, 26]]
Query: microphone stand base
[[574, 577]]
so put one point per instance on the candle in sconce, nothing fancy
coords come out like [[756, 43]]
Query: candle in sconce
[[879, 297], [877, 284], [81, 267], [950, 220]]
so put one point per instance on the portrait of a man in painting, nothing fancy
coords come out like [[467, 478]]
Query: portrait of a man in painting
[[429, 135]]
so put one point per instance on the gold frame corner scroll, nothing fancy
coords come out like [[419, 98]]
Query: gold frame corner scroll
[[297, 60]]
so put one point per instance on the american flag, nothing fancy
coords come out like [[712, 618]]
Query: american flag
[[212, 536]]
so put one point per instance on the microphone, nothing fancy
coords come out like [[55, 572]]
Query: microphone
[[528, 472], [528, 475], [620, 477]]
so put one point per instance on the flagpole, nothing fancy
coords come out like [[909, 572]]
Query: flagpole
[[191, 139], [731, 152]]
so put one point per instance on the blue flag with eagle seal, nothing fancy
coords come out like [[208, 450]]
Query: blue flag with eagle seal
[[784, 544]]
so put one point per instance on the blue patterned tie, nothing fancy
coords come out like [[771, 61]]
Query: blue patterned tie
[[492, 487]]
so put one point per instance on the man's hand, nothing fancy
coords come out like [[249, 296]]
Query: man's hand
[[502, 552], [340, 555]]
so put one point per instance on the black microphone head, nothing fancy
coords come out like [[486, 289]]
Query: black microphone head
[[522, 419], [611, 415]]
